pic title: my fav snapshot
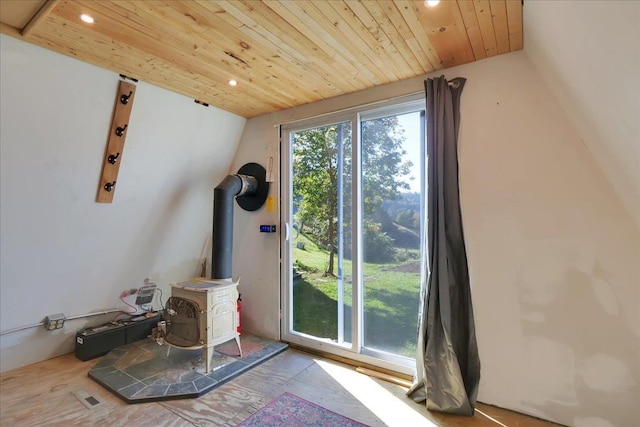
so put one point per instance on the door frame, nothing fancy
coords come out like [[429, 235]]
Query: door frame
[[354, 351]]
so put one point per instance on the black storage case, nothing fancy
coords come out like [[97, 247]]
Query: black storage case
[[92, 343], [135, 331]]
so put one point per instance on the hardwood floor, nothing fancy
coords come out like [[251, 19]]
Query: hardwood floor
[[45, 394]]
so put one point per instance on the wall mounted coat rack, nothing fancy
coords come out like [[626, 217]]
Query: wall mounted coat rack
[[115, 145]]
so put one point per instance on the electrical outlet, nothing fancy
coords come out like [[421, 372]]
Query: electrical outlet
[[54, 321]]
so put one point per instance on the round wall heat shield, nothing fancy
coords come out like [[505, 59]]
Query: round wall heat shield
[[255, 201]]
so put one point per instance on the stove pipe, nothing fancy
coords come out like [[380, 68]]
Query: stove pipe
[[223, 197]]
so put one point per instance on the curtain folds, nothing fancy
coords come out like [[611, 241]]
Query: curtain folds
[[448, 365]]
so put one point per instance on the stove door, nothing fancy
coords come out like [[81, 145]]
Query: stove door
[[183, 322]]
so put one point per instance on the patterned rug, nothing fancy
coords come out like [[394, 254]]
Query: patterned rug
[[292, 411]]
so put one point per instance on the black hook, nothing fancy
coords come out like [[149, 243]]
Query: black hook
[[113, 159], [120, 131], [109, 186], [125, 98]]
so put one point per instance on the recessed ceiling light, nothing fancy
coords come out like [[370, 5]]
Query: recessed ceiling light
[[87, 18], [233, 82], [431, 3]]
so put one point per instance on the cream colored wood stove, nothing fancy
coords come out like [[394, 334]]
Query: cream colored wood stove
[[216, 300]]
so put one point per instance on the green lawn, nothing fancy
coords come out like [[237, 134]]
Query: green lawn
[[391, 295]]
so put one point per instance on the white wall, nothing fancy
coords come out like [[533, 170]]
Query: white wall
[[60, 250], [256, 256], [552, 250], [588, 53], [553, 257]]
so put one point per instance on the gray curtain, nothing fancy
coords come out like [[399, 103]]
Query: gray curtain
[[448, 366]]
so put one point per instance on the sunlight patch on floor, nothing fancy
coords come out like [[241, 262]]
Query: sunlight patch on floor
[[491, 418], [382, 403]]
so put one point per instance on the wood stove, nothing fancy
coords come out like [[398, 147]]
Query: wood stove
[[201, 313]]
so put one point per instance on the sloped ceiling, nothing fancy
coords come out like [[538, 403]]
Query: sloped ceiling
[[588, 52], [282, 53], [289, 53]]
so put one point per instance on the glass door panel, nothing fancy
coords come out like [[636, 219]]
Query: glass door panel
[[321, 238], [391, 232], [353, 197]]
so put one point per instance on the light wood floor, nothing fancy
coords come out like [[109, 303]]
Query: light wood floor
[[44, 394]]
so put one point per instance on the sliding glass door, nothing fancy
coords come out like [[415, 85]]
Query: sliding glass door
[[352, 200], [321, 223]]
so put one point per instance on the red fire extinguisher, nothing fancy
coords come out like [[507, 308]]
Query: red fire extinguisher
[[239, 303]]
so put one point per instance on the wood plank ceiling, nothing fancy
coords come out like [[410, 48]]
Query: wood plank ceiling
[[281, 53]]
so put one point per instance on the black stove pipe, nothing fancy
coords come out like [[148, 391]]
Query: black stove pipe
[[223, 197]]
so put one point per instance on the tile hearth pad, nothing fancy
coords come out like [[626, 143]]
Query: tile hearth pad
[[144, 371]]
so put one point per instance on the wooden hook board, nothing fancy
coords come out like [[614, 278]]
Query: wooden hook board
[[115, 145]]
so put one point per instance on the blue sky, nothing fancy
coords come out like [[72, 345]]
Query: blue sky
[[411, 124]]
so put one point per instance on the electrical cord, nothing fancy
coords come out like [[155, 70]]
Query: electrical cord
[[135, 309], [118, 315], [161, 304]]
